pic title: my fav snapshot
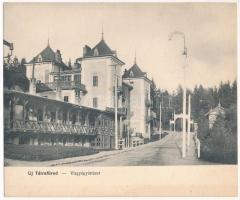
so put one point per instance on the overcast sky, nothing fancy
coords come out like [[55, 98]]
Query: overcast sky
[[210, 29]]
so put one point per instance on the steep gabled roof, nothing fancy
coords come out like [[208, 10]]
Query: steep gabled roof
[[101, 49], [134, 72], [46, 54], [217, 110]]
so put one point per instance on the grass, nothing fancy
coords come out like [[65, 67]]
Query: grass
[[44, 153]]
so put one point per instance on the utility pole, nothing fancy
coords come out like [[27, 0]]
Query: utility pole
[[174, 120], [128, 137], [116, 108], [184, 91], [184, 116], [160, 119], [189, 120]]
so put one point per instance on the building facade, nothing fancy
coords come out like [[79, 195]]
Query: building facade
[[74, 105], [214, 113], [51, 112], [140, 101]]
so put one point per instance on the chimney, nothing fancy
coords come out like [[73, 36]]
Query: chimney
[[58, 56], [32, 84], [86, 49]]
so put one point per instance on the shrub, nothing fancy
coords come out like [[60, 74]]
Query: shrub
[[220, 145]]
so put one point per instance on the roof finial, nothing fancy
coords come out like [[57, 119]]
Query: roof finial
[[48, 39], [102, 33], [135, 58]]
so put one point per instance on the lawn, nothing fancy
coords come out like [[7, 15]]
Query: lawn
[[44, 153]]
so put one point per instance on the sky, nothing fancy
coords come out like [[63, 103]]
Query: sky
[[210, 30]]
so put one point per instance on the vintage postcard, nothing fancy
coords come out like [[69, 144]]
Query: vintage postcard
[[120, 99]]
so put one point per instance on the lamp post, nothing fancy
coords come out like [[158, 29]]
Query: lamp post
[[189, 120], [184, 90], [116, 109], [160, 119], [115, 106]]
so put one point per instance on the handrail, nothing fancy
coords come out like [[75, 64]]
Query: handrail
[[53, 127], [63, 85]]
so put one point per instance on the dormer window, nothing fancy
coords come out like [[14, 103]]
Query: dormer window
[[39, 59], [131, 74], [95, 52]]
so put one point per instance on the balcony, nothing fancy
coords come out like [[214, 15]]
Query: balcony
[[121, 111], [64, 85], [57, 128]]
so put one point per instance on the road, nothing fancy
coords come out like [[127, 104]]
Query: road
[[162, 152]]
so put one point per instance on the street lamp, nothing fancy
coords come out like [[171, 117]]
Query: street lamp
[[115, 105], [116, 108], [184, 89], [160, 118]]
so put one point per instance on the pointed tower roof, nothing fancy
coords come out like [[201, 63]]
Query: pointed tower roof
[[101, 49], [134, 72], [48, 55]]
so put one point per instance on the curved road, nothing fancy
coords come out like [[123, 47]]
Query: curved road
[[162, 152]]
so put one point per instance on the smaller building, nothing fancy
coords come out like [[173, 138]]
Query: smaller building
[[214, 113], [51, 78], [140, 100]]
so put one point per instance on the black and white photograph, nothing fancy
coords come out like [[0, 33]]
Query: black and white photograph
[[120, 86], [104, 85]]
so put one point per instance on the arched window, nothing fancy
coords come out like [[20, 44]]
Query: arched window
[[95, 52], [131, 74], [39, 58]]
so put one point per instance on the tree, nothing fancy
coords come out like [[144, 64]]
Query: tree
[[15, 75]]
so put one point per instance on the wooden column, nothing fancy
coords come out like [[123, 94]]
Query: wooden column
[[24, 110], [120, 127], [56, 115], [13, 103], [35, 141], [68, 117], [44, 112], [16, 140], [87, 119], [77, 118]]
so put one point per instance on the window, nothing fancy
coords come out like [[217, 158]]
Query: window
[[95, 53], [77, 93], [131, 74], [46, 76], [67, 78], [77, 78], [65, 98], [95, 81], [95, 103], [55, 79]]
